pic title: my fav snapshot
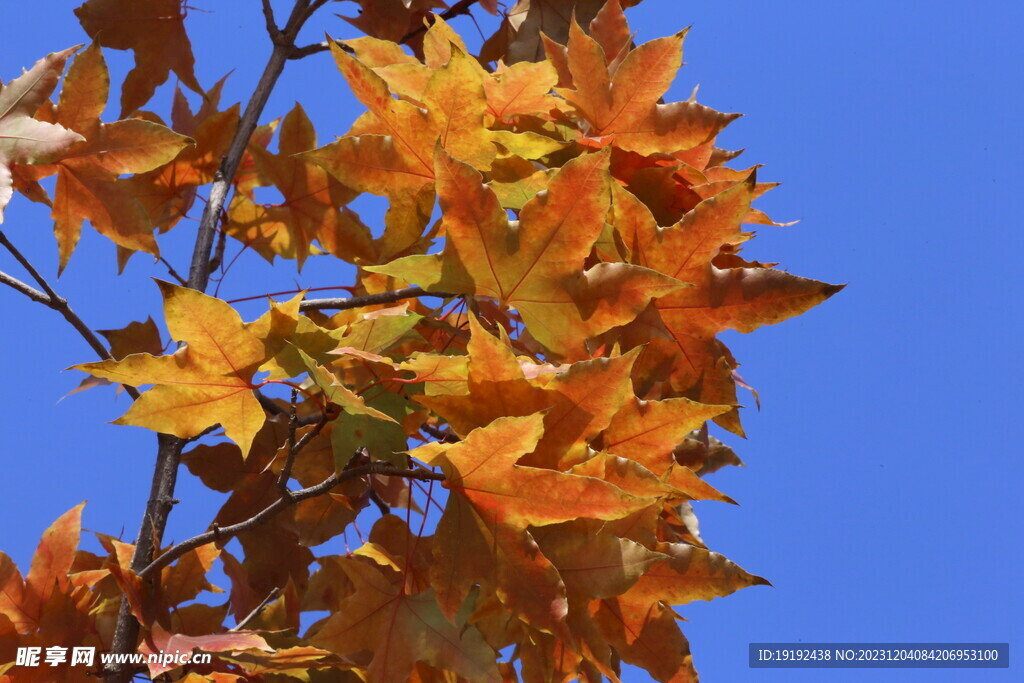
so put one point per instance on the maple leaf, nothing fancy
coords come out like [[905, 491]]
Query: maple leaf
[[24, 601], [578, 402], [168, 192], [483, 469], [23, 139], [503, 499], [535, 266], [531, 19], [392, 19], [401, 629], [310, 207], [390, 151], [88, 174], [154, 31], [206, 382], [162, 641], [624, 107], [742, 299]]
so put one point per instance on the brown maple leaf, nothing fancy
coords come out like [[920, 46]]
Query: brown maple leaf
[[154, 31]]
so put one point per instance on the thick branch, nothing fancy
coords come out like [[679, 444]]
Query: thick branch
[[224, 533], [165, 473], [369, 299], [284, 42]]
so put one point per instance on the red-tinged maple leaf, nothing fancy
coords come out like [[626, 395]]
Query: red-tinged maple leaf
[[88, 175], [624, 107], [401, 629], [206, 382], [154, 31], [535, 266], [610, 30], [23, 139], [310, 210]]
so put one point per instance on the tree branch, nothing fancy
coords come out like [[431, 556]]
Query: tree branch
[[161, 498], [224, 533], [369, 299], [172, 272], [458, 8], [461, 7], [284, 42], [271, 596], [49, 298], [30, 292]]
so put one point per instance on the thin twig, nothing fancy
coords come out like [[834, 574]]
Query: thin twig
[[55, 302], [172, 272], [461, 7], [369, 299], [458, 8], [224, 533], [271, 596], [218, 253], [30, 292], [439, 434]]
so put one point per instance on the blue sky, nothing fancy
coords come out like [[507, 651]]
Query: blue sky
[[879, 495]]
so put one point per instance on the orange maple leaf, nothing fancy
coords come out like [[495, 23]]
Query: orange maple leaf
[[536, 265], [88, 175]]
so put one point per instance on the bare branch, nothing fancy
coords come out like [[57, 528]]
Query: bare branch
[[224, 533], [268, 15], [151, 531], [30, 292], [55, 302], [369, 299]]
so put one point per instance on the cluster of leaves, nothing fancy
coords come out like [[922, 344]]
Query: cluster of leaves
[[558, 387]]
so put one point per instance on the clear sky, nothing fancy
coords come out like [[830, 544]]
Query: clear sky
[[880, 493]]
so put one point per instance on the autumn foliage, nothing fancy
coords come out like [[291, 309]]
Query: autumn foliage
[[515, 400]]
